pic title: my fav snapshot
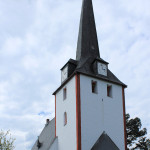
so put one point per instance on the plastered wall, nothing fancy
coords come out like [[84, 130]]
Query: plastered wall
[[100, 113], [66, 134]]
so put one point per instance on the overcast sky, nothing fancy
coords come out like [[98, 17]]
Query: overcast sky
[[37, 37]]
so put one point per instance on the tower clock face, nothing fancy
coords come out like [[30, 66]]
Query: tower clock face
[[64, 74], [102, 69]]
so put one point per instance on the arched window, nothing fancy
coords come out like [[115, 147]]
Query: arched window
[[65, 118]]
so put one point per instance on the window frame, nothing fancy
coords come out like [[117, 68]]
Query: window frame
[[64, 93], [94, 87], [109, 91]]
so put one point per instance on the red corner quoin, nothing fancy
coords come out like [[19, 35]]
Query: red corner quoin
[[78, 112], [124, 118]]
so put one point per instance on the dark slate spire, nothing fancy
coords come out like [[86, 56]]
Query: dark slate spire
[[87, 39]]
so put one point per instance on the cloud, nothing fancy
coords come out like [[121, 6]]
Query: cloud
[[12, 46], [38, 38]]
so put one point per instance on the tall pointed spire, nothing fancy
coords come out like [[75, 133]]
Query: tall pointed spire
[[87, 39]]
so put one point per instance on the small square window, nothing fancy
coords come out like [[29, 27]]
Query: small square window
[[64, 93], [109, 90], [94, 87], [65, 118]]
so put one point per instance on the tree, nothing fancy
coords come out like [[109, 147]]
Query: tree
[[136, 135], [6, 141], [143, 143]]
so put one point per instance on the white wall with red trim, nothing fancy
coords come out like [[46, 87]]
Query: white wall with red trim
[[101, 113], [54, 146], [66, 134]]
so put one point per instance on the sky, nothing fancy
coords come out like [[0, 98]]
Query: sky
[[37, 37]]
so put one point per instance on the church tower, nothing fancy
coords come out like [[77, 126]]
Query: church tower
[[90, 102]]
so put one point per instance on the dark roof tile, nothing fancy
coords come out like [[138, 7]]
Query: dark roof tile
[[104, 143], [47, 136]]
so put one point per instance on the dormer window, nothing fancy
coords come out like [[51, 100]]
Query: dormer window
[[102, 69], [68, 69], [94, 86], [100, 66], [64, 74]]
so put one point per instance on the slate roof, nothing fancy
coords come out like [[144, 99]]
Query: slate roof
[[104, 143], [72, 61], [88, 49], [47, 136], [86, 69], [87, 45]]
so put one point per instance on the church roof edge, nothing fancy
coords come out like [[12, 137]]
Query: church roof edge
[[112, 79]]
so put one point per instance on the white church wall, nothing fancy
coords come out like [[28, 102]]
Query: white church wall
[[54, 146], [66, 134], [100, 113]]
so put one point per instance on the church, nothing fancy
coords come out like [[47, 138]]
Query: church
[[90, 102]]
